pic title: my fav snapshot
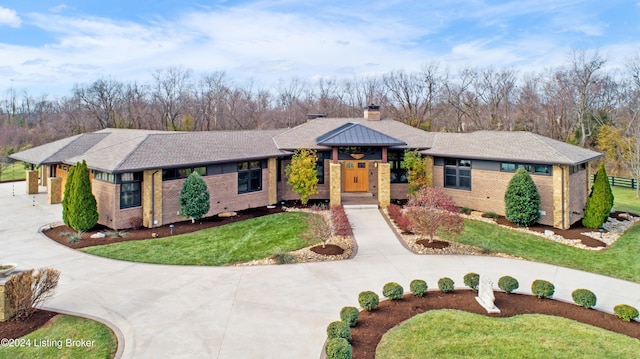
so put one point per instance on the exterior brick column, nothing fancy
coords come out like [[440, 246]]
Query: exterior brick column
[[152, 198], [335, 187], [273, 180], [384, 184], [54, 193], [32, 182], [561, 205]]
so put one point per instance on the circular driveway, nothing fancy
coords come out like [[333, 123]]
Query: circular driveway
[[249, 312]]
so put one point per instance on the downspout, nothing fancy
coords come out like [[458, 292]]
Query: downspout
[[153, 198]]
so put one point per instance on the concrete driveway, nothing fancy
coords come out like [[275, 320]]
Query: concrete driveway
[[249, 312]]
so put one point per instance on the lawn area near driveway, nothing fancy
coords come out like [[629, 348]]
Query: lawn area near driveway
[[625, 200], [619, 261], [13, 172], [524, 336], [65, 336], [242, 241]]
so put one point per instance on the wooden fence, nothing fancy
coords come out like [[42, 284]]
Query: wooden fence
[[620, 181]]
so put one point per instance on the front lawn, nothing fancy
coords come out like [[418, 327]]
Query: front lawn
[[625, 200], [243, 241], [65, 337], [523, 336], [13, 172]]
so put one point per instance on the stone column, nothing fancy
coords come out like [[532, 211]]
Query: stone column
[[54, 193], [384, 184], [429, 160], [335, 187], [5, 311], [152, 198], [561, 205], [32, 182], [273, 180]]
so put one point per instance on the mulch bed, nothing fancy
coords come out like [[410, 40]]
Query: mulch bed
[[13, 329], [372, 325], [574, 232], [328, 250], [435, 244]]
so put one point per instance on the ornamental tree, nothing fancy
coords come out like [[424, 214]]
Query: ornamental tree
[[431, 210], [194, 197], [418, 174], [600, 200], [66, 200], [303, 177], [83, 208], [522, 200]]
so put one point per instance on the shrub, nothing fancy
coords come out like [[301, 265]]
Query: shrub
[[600, 200], [338, 329], [466, 210], [83, 208], [194, 197], [368, 300], [418, 287], [625, 312], [394, 211], [404, 223], [418, 171], [68, 194], [472, 280], [393, 291], [27, 290], [75, 237], [508, 283], [584, 297], [522, 200], [349, 315], [490, 214], [542, 288], [338, 348], [446, 284], [341, 224], [283, 257], [431, 210]]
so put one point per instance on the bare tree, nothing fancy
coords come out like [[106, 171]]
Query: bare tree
[[171, 92], [102, 100], [583, 76]]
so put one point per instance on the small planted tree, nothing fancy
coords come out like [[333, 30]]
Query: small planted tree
[[26, 291], [66, 201], [431, 210], [317, 229], [303, 177], [418, 171], [522, 200], [83, 208], [600, 200], [194, 197]]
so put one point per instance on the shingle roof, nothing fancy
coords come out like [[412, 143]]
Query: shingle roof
[[354, 134], [58, 151], [509, 146]]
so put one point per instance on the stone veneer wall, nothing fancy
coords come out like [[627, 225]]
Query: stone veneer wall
[[384, 184], [32, 182], [561, 197], [273, 180], [335, 180], [152, 198], [54, 190], [5, 313]]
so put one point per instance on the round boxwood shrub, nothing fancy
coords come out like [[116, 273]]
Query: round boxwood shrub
[[338, 329], [584, 298], [542, 288], [446, 284], [508, 283], [418, 287], [472, 280], [625, 312], [349, 315], [338, 348], [393, 291], [368, 300]]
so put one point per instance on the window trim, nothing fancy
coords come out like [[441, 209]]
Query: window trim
[[252, 170], [135, 194], [460, 165]]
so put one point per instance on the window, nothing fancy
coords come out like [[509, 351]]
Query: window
[[322, 156], [396, 163], [534, 169], [130, 190], [104, 176], [578, 168], [457, 174], [249, 176], [177, 173]]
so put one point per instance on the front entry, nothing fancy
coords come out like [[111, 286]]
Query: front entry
[[356, 176]]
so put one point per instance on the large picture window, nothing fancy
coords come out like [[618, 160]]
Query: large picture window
[[130, 190], [457, 174], [396, 163], [531, 168], [249, 176]]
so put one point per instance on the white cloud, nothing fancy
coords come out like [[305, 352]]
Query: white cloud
[[9, 17]]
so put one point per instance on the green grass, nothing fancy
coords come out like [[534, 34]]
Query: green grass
[[619, 261], [61, 340], [625, 200], [523, 336], [237, 242], [13, 172]]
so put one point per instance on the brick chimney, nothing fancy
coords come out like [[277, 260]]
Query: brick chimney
[[372, 112]]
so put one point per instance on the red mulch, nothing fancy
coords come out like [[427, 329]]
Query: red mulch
[[372, 325], [328, 250], [13, 329], [435, 244], [574, 232]]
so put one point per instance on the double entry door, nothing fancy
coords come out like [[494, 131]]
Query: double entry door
[[356, 176]]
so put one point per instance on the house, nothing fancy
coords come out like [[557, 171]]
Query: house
[[137, 175]]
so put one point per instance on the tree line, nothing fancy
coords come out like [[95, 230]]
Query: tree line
[[569, 103]]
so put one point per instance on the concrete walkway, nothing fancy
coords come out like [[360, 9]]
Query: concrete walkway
[[249, 312]]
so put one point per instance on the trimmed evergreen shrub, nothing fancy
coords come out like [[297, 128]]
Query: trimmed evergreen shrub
[[339, 329], [584, 298], [522, 200], [83, 214], [194, 197], [418, 287], [600, 200], [472, 280], [446, 284], [66, 200], [625, 312], [338, 348], [349, 315], [542, 288], [508, 283], [368, 300], [393, 291]]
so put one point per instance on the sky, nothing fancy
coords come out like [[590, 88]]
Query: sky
[[48, 46]]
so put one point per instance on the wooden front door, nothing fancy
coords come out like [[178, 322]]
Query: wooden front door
[[356, 176]]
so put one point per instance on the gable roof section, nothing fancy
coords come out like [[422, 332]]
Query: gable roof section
[[58, 151], [513, 146], [354, 134]]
